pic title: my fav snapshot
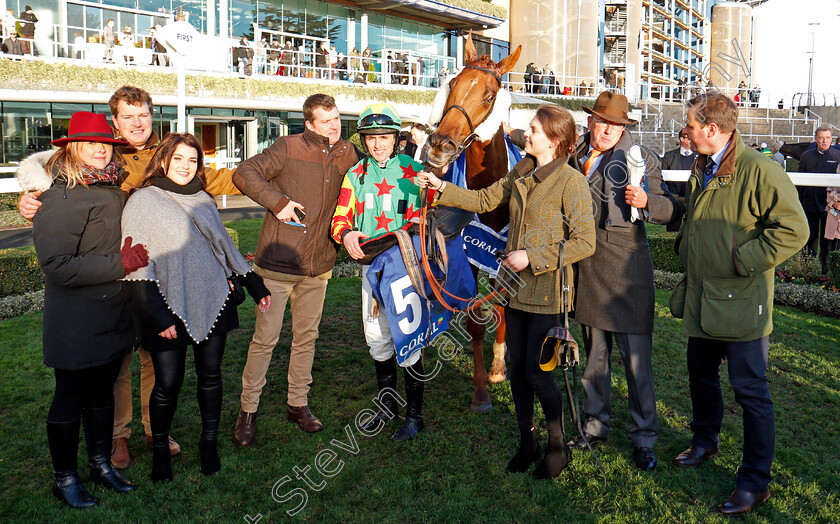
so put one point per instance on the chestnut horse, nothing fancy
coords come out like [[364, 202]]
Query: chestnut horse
[[470, 115]]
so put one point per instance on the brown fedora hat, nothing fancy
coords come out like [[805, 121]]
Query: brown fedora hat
[[611, 107]]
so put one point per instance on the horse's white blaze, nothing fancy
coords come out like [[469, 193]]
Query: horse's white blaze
[[488, 128]]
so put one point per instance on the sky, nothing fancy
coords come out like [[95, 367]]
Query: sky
[[783, 43]]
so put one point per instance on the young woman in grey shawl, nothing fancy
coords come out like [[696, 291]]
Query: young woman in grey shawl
[[183, 295]]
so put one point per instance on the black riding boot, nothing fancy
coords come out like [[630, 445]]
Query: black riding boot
[[528, 453], [63, 438], [386, 377], [209, 452], [99, 428], [161, 459], [414, 409], [557, 456]]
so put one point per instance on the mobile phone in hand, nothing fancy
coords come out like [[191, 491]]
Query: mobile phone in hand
[[300, 213]]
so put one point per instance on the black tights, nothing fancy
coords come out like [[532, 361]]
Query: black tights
[[169, 377], [524, 337]]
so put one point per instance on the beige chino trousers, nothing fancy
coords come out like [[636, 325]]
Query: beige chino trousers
[[122, 394], [306, 295]]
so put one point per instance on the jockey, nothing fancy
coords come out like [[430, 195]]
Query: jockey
[[379, 196]]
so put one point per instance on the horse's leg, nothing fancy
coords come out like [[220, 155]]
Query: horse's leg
[[481, 399], [497, 368]]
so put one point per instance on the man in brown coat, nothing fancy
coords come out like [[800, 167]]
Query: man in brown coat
[[615, 298], [297, 179]]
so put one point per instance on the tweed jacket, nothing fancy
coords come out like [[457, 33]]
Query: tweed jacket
[[615, 285], [745, 222], [549, 208]]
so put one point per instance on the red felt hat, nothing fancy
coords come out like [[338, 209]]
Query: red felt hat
[[89, 127]]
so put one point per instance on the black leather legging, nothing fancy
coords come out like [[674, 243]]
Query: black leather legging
[[524, 336], [169, 376]]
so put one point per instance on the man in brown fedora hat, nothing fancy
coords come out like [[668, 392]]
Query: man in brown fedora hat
[[615, 298]]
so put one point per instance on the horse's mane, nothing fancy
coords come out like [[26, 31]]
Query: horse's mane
[[491, 124]]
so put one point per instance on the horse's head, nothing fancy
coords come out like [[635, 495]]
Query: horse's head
[[464, 107]]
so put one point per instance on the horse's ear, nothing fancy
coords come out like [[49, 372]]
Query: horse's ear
[[506, 64], [470, 54]]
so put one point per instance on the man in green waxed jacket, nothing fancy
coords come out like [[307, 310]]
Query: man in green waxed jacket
[[743, 217]]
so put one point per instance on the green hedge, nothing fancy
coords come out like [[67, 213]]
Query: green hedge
[[662, 252], [19, 272], [234, 234], [834, 268]]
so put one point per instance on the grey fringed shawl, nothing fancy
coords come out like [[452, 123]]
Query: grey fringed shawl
[[187, 270]]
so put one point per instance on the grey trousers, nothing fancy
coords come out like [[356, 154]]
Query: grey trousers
[[636, 353]]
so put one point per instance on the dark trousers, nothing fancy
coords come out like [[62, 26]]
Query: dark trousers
[[816, 227], [747, 373], [76, 390], [85, 391], [524, 337], [169, 377], [636, 351]]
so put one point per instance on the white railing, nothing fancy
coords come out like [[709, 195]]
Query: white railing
[[798, 179]]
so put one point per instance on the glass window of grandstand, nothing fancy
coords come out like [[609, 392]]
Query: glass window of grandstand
[[25, 129]]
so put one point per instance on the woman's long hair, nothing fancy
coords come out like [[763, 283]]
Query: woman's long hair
[[66, 163], [163, 157]]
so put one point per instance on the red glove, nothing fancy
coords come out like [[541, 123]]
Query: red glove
[[133, 257]]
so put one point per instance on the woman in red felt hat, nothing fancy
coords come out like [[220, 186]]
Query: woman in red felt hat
[[86, 327]]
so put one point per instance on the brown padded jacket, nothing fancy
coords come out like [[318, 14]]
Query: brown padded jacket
[[306, 169], [135, 162]]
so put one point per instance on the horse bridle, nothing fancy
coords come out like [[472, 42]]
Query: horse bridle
[[472, 136]]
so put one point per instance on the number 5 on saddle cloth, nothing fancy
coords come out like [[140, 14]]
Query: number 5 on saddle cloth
[[413, 319]]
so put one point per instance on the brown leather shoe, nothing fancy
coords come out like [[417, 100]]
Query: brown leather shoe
[[694, 456], [742, 501], [120, 457], [174, 447], [307, 421], [245, 431]]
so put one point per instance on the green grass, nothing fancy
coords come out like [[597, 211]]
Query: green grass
[[454, 471]]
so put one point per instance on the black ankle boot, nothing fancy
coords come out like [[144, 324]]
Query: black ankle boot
[[528, 453], [68, 488], [208, 449], [63, 438], [99, 427], [556, 457], [386, 378], [161, 460], [414, 410]]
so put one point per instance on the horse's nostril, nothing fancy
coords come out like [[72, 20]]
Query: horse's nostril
[[448, 146]]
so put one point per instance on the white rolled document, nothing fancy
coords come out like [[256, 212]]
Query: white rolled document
[[635, 174]]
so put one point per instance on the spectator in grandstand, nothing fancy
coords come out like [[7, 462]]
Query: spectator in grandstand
[[109, 38], [78, 45], [287, 60], [127, 43], [13, 45], [243, 55], [27, 30], [261, 56], [158, 49], [9, 23]]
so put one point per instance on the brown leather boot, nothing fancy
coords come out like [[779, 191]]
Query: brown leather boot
[[120, 457], [245, 431], [304, 417]]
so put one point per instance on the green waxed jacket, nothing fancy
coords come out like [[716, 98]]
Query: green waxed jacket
[[737, 230]]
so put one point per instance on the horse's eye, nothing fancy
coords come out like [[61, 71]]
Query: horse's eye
[[490, 99]]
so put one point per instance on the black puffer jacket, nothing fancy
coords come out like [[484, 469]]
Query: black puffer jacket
[[77, 238]]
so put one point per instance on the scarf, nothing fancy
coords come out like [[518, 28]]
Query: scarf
[[109, 175], [190, 252]]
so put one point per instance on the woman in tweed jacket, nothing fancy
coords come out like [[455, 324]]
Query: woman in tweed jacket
[[550, 217]]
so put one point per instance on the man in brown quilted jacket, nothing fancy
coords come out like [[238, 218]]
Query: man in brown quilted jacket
[[297, 179]]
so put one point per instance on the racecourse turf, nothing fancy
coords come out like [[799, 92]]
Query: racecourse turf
[[454, 470]]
